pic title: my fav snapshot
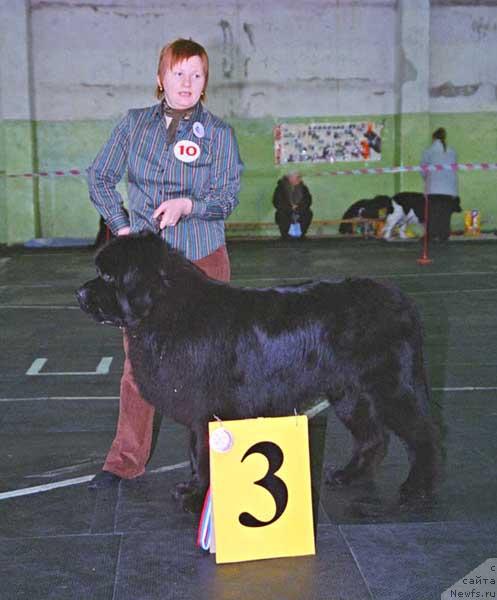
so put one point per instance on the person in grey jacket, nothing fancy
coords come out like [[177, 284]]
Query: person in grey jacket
[[441, 185], [440, 182]]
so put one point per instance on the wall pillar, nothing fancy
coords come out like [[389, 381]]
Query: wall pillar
[[413, 83], [18, 208]]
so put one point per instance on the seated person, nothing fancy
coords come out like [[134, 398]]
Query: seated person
[[292, 201]]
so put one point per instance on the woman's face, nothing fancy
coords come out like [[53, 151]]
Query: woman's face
[[184, 83]]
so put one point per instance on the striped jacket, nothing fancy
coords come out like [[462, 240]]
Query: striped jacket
[[156, 172]]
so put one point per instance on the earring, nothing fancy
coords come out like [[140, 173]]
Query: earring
[[161, 89]]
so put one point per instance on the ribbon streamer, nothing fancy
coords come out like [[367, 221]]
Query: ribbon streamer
[[204, 533]]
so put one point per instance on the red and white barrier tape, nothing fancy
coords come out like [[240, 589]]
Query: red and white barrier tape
[[362, 171], [73, 172], [417, 168]]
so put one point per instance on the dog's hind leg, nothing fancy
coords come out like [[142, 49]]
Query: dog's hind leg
[[361, 418], [406, 417]]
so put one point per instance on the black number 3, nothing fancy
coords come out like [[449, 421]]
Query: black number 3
[[274, 485]]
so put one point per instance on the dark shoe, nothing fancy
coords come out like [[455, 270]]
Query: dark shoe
[[104, 479]]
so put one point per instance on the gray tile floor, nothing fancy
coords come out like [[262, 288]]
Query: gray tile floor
[[132, 543]]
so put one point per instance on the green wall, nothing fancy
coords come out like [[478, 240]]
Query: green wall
[[59, 206], [3, 194]]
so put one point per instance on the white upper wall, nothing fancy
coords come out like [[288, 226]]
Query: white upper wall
[[95, 59], [289, 58], [15, 79], [463, 65]]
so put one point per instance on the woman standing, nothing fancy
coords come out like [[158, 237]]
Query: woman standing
[[440, 185], [183, 170]]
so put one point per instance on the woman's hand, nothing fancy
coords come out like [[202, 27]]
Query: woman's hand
[[124, 231], [171, 211]]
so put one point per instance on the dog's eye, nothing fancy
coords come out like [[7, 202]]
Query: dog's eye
[[106, 277]]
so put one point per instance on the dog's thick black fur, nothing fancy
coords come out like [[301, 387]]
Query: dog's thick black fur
[[200, 348], [365, 209]]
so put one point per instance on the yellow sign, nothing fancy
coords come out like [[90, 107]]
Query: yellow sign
[[261, 488]]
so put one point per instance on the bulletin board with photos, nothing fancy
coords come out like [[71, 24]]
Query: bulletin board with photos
[[327, 142]]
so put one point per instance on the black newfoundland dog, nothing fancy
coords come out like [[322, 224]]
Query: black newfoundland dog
[[364, 209], [201, 348]]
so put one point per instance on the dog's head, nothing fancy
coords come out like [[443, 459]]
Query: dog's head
[[131, 279], [374, 206]]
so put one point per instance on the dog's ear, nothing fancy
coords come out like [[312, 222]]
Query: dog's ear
[[132, 264], [145, 277], [136, 303]]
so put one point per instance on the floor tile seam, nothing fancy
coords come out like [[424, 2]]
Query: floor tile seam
[[118, 563], [61, 285], [356, 561], [57, 536], [39, 307], [414, 275], [116, 508], [484, 457], [111, 398], [445, 524]]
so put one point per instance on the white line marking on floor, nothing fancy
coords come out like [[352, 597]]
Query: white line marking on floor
[[62, 470], [279, 282], [103, 368], [180, 465], [465, 389], [40, 398], [282, 283], [323, 405], [24, 286], [34, 286], [58, 253], [47, 487], [369, 276], [446, 292], [37, 307], [3, 262], [319, 407]]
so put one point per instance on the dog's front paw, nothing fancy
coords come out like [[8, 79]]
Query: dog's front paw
[[413, 492], [183, 487], [337, 477], [192, 503], [189, 496]]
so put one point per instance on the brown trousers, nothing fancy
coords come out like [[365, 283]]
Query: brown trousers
[[130, 449]]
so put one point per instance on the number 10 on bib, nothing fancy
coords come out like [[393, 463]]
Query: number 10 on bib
[[261, 488]]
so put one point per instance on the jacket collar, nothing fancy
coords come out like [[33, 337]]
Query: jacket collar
[[158, 112], [437, 144]]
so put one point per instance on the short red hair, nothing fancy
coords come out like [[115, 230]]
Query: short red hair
[[176, 52]]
